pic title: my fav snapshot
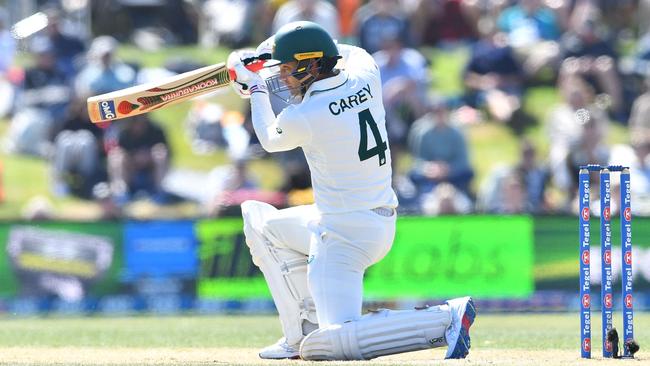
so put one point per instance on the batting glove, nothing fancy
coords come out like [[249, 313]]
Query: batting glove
[[265, 49], [245, 81]]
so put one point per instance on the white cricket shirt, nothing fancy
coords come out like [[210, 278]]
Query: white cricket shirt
[[340, 125]]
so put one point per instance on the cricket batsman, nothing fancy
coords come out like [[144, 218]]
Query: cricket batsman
[[313, 257]]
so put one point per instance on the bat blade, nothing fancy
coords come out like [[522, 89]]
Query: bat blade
[[145, 98]]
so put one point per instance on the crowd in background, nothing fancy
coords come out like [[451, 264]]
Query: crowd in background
[[596, 52]]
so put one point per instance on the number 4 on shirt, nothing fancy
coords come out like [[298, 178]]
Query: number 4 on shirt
[[365, 119]]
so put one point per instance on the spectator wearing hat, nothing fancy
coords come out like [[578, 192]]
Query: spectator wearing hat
[[103, 73]]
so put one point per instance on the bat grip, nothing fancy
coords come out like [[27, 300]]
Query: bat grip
[[253, 66]]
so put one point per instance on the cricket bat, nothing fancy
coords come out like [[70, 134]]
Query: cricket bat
[[145, 98]]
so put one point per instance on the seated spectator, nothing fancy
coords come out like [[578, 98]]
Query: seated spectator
[[639, 119], [103, 73], [380, 20], [439, 151], [533, 31], [211, 128], [41, 104], [494, 80], [78, 156], [405, 82], [503, 193], [445, 199], [637, 157], [317, 11], [589, 149], [587, 51], [234, 181], [527, 178], [443, 22], [68, 49], [140, 160], [565, 125]]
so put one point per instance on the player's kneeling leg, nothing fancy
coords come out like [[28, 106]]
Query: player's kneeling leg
[[285, 271], [381, 333]]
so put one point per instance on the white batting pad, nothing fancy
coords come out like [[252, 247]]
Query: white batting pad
[[377, 334], [284, 269]]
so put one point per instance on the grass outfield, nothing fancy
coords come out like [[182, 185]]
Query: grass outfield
[[530, 339]]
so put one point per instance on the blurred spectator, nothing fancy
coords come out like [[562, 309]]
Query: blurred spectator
[[78, 157], [442, 22], [211, 128], [439, 151], [68, 49], [533, 30], [494, 80], [7, 43], [565, 125], [234, 181], [503, 193], [405, 82], [589, 149], [618, 14], [41, 105], [38, 208], [484, 10], [317, 11], [527, 180], [103, 73], [234, 23], [445, 199], [46, 85], [640, 117], [637, 157], [587, 51], [380, 20], [7, 54], [347, 22], [140, 160]]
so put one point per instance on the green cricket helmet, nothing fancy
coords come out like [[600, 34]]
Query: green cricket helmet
[[309, 45]]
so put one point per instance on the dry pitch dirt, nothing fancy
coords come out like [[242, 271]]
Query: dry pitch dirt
[[248, 356]]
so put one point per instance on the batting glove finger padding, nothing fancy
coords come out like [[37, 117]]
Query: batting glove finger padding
[[246, 80]]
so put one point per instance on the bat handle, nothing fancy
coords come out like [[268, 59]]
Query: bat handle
[[254, 66]]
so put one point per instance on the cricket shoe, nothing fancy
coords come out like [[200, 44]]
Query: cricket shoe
[[463, 313], [281, 350]]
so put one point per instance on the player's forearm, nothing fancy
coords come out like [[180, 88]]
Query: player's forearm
[[264, 123], [263, 117]]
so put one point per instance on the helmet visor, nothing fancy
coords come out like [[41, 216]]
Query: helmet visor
[[276, 80]]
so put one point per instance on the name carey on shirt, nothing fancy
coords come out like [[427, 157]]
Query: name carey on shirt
[[351, 101]]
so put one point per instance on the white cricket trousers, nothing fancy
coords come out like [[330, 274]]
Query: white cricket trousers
[[342, 247]]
